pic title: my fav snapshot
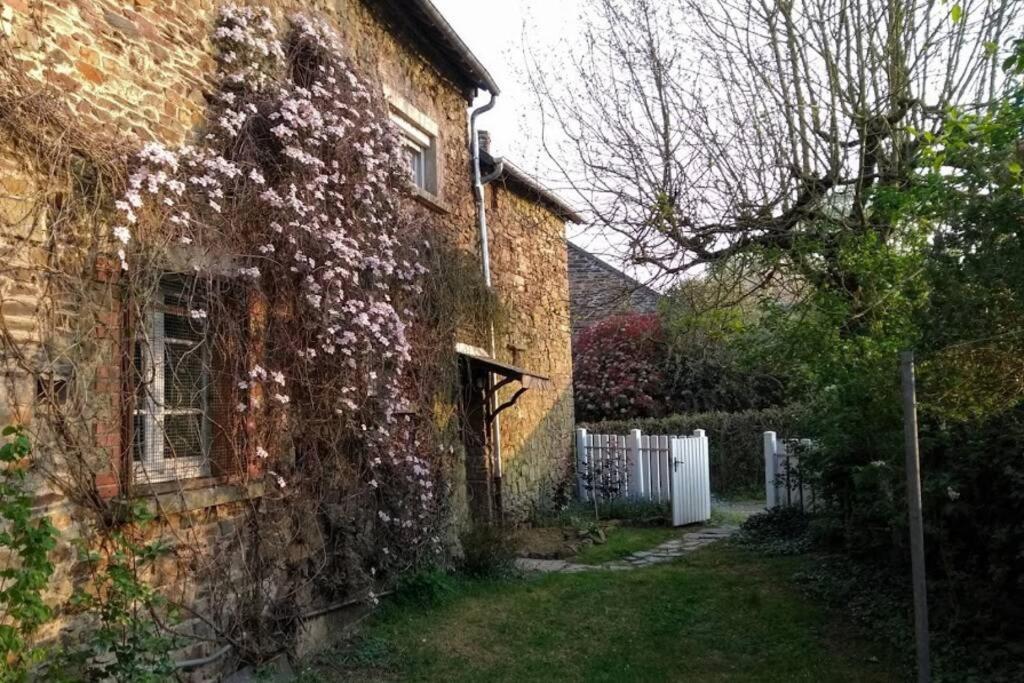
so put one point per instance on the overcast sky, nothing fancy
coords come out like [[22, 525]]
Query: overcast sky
[[501, 35], [498, 34]]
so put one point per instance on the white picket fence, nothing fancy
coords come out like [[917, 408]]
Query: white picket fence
[[638, 466], [784, 483]]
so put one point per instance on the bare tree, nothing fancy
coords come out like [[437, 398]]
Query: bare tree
[[698, 132]]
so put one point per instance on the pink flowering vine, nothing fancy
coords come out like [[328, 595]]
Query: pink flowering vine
[[293, 191]]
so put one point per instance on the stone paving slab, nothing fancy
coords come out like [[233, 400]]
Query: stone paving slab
[[666, 552]]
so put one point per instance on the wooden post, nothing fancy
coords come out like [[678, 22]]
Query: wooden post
[[913, 466], [770, 488], [581, 463]]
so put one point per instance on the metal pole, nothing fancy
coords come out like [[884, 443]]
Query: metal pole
[[913, 464]]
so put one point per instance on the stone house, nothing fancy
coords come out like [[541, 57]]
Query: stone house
[[143, 70], [597, 290]]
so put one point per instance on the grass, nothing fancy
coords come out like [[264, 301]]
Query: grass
[[624, 541], [723, 515], [720, 614]]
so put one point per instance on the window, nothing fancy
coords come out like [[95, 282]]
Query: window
[[171, 418], [417, 157], [419, 142]]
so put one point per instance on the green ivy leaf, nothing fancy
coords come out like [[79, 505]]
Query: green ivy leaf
[[956, 13]]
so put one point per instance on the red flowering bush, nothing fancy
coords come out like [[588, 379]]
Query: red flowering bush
[[618, 368]]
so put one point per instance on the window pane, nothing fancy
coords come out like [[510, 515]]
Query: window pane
[[184, 381], [180, 327], [183, 436], [138, 436], [415, 160]]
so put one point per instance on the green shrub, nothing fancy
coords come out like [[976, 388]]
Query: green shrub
[[735, 441], [636, 512], [129, 640], [781, 531], [31, 541], [487, 551], [425, 588]]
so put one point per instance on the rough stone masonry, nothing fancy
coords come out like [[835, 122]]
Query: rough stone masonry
[[142, 70]]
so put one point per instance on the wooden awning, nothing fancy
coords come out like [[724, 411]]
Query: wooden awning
[[508, 373]]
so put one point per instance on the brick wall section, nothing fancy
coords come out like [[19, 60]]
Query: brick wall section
[[528, 261], [598, 290]]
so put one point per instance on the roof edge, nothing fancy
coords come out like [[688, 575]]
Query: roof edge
[[423, 25], [478, 70], [531, 188]]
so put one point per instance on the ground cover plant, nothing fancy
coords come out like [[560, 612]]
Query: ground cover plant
[[876, 596]]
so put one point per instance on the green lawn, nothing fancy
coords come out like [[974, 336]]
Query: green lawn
[[624, 541], [720, 614]]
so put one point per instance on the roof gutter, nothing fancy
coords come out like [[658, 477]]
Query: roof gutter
[[485, 258]]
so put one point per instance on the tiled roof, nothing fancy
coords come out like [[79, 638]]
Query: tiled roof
[[598, 290]]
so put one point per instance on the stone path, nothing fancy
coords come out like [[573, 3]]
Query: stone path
[[666, 552]]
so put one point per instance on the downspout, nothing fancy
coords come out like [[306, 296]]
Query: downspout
[[485, 257]]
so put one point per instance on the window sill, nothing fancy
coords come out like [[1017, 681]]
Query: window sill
[[177, 497], [430, 201]]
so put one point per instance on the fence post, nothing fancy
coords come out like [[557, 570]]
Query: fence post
[[582, 463], [637, 474], [704, 477], [770, 488]]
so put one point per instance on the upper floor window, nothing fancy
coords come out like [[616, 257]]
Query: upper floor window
[[417, 150], [419, 143], [172, 416]]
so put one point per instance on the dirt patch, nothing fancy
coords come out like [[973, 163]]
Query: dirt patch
[[546, 543]]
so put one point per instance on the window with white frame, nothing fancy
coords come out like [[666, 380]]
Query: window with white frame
[[419, 143], [171, 420]]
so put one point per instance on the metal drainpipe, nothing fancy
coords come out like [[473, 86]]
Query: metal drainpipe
[[485, 257]]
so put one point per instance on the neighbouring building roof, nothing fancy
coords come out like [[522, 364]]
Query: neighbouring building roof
[[426, 29], [598, 290], [522, 183]]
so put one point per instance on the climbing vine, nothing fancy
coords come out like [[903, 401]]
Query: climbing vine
[[327, 307]]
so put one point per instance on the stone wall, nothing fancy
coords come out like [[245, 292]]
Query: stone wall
[[140, 71], [529, 267], [598, 290]]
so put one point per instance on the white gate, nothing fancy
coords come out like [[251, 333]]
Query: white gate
[[656, 468], [784, 483], [691, 479]]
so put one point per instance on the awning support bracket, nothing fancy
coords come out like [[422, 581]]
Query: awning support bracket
[[507, 404]]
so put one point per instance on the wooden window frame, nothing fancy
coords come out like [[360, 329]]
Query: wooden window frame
[[153, 467], [420, 136]]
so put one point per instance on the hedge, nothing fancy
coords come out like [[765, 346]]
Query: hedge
[[735, 439]]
